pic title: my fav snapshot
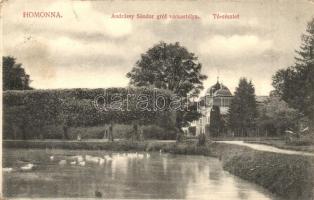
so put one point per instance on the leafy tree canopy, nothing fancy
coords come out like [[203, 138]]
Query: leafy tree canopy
[[277, 116], [295, 84], [171, 67], [14, 75], [243, 109]]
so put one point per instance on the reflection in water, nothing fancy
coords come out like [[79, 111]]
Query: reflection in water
[[122, 175]]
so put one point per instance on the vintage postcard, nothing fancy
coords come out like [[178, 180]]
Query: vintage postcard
[[157, 99]]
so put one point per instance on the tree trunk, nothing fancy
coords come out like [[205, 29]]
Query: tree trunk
[[65, 132], [111, 132], [141, 134]]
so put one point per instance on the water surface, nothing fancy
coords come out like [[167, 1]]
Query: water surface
[[122, 175]]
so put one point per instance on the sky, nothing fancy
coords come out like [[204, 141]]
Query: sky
[[87, 48]]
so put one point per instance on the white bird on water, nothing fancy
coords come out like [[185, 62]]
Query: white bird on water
[[140, 156], [132, 155], [79, 158], [27, 167], [82, 163], [73, 163], [107, 157], [62, 162], [7, 169], [91, 159], [101, 161], [52, 158]]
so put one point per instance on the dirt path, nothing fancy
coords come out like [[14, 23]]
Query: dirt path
[[263, 147]]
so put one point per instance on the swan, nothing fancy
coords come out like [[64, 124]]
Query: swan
[[82, 163], [91, 159], [52, 158], [73, 163], [101, 161], [28, 166], [131, 155], [107, 157], [79, 158], [62, 162], [7, 169]]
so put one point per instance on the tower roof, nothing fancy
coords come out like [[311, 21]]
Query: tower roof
[[216, 87], [224, 91]]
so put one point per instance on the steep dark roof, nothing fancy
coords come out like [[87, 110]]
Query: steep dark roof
[[223, 92], [210, 91]]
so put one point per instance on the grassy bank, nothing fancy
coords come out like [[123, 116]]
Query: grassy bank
[[289, 176], [119, 145]]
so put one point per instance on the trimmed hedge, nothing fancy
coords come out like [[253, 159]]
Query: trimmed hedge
[[36, 109]]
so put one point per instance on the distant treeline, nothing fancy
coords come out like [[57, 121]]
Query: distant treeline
[[27, 114]]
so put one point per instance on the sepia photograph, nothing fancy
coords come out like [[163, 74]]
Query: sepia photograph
[[157, 99]]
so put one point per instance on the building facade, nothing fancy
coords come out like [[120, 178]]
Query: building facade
[[217, 96]]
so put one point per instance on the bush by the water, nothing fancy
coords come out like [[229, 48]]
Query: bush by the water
[[290, 176], [202, 139], [159, 133], [301, 140]]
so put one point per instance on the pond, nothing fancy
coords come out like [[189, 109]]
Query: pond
[[139, 175]]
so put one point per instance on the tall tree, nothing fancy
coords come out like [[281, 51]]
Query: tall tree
[[295, 85], [171, 67], [243, 109], [14, 75], [275, 116], [216, 122]]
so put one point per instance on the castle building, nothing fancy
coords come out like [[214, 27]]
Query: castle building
[[217, 95]]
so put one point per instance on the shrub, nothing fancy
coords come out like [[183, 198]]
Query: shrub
[[290, 176], [201, 139], [157, 132]]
